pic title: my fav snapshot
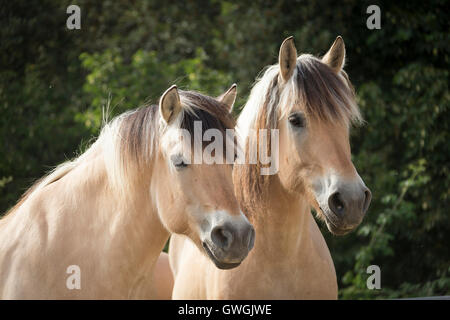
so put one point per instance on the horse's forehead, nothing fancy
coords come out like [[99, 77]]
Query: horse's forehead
[[172, 140], [329, 130]]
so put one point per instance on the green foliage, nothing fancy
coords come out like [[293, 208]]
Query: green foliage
[[144, 78], [55, 83]]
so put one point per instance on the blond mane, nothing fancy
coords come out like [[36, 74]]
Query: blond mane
[[129, 141]]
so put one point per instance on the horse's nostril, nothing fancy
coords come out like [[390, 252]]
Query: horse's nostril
[[336, 203], [251, 238], [367, 199], [222, 237]]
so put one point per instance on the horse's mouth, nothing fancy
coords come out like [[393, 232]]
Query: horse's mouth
[[332, 227], [219, 264]]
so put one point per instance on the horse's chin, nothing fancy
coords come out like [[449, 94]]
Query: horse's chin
[[332, 227], [336, 231], [219, 264]]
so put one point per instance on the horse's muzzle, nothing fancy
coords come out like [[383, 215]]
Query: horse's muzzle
[[228, 244]]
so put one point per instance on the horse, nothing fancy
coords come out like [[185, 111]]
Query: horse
[[311, 102], [95, 226]]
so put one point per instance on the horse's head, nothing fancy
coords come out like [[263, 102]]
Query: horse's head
[[195, 196], [317, 106]]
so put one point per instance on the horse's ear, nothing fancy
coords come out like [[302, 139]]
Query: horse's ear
[[335, 57], [169, 104], [287, 58], [229, 97]]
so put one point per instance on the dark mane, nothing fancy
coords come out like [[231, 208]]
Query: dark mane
[[140, 128], [212, 113]]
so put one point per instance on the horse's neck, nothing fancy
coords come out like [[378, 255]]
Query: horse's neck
[[129, 223], [283, 225], [82, 218]]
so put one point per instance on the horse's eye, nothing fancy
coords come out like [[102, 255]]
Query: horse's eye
[[178, 161], [297, 120]]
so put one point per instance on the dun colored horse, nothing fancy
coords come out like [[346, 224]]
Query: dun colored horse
[[94, 227], [312, 103]]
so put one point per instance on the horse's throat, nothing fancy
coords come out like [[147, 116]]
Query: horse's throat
[[283, 227]]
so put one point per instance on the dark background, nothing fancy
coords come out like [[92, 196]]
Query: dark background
[[54, 83]]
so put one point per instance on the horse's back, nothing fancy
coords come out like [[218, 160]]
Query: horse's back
[[19, 247], [33, 258]]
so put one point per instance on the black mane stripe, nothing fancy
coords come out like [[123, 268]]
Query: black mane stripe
[[142, 122]]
